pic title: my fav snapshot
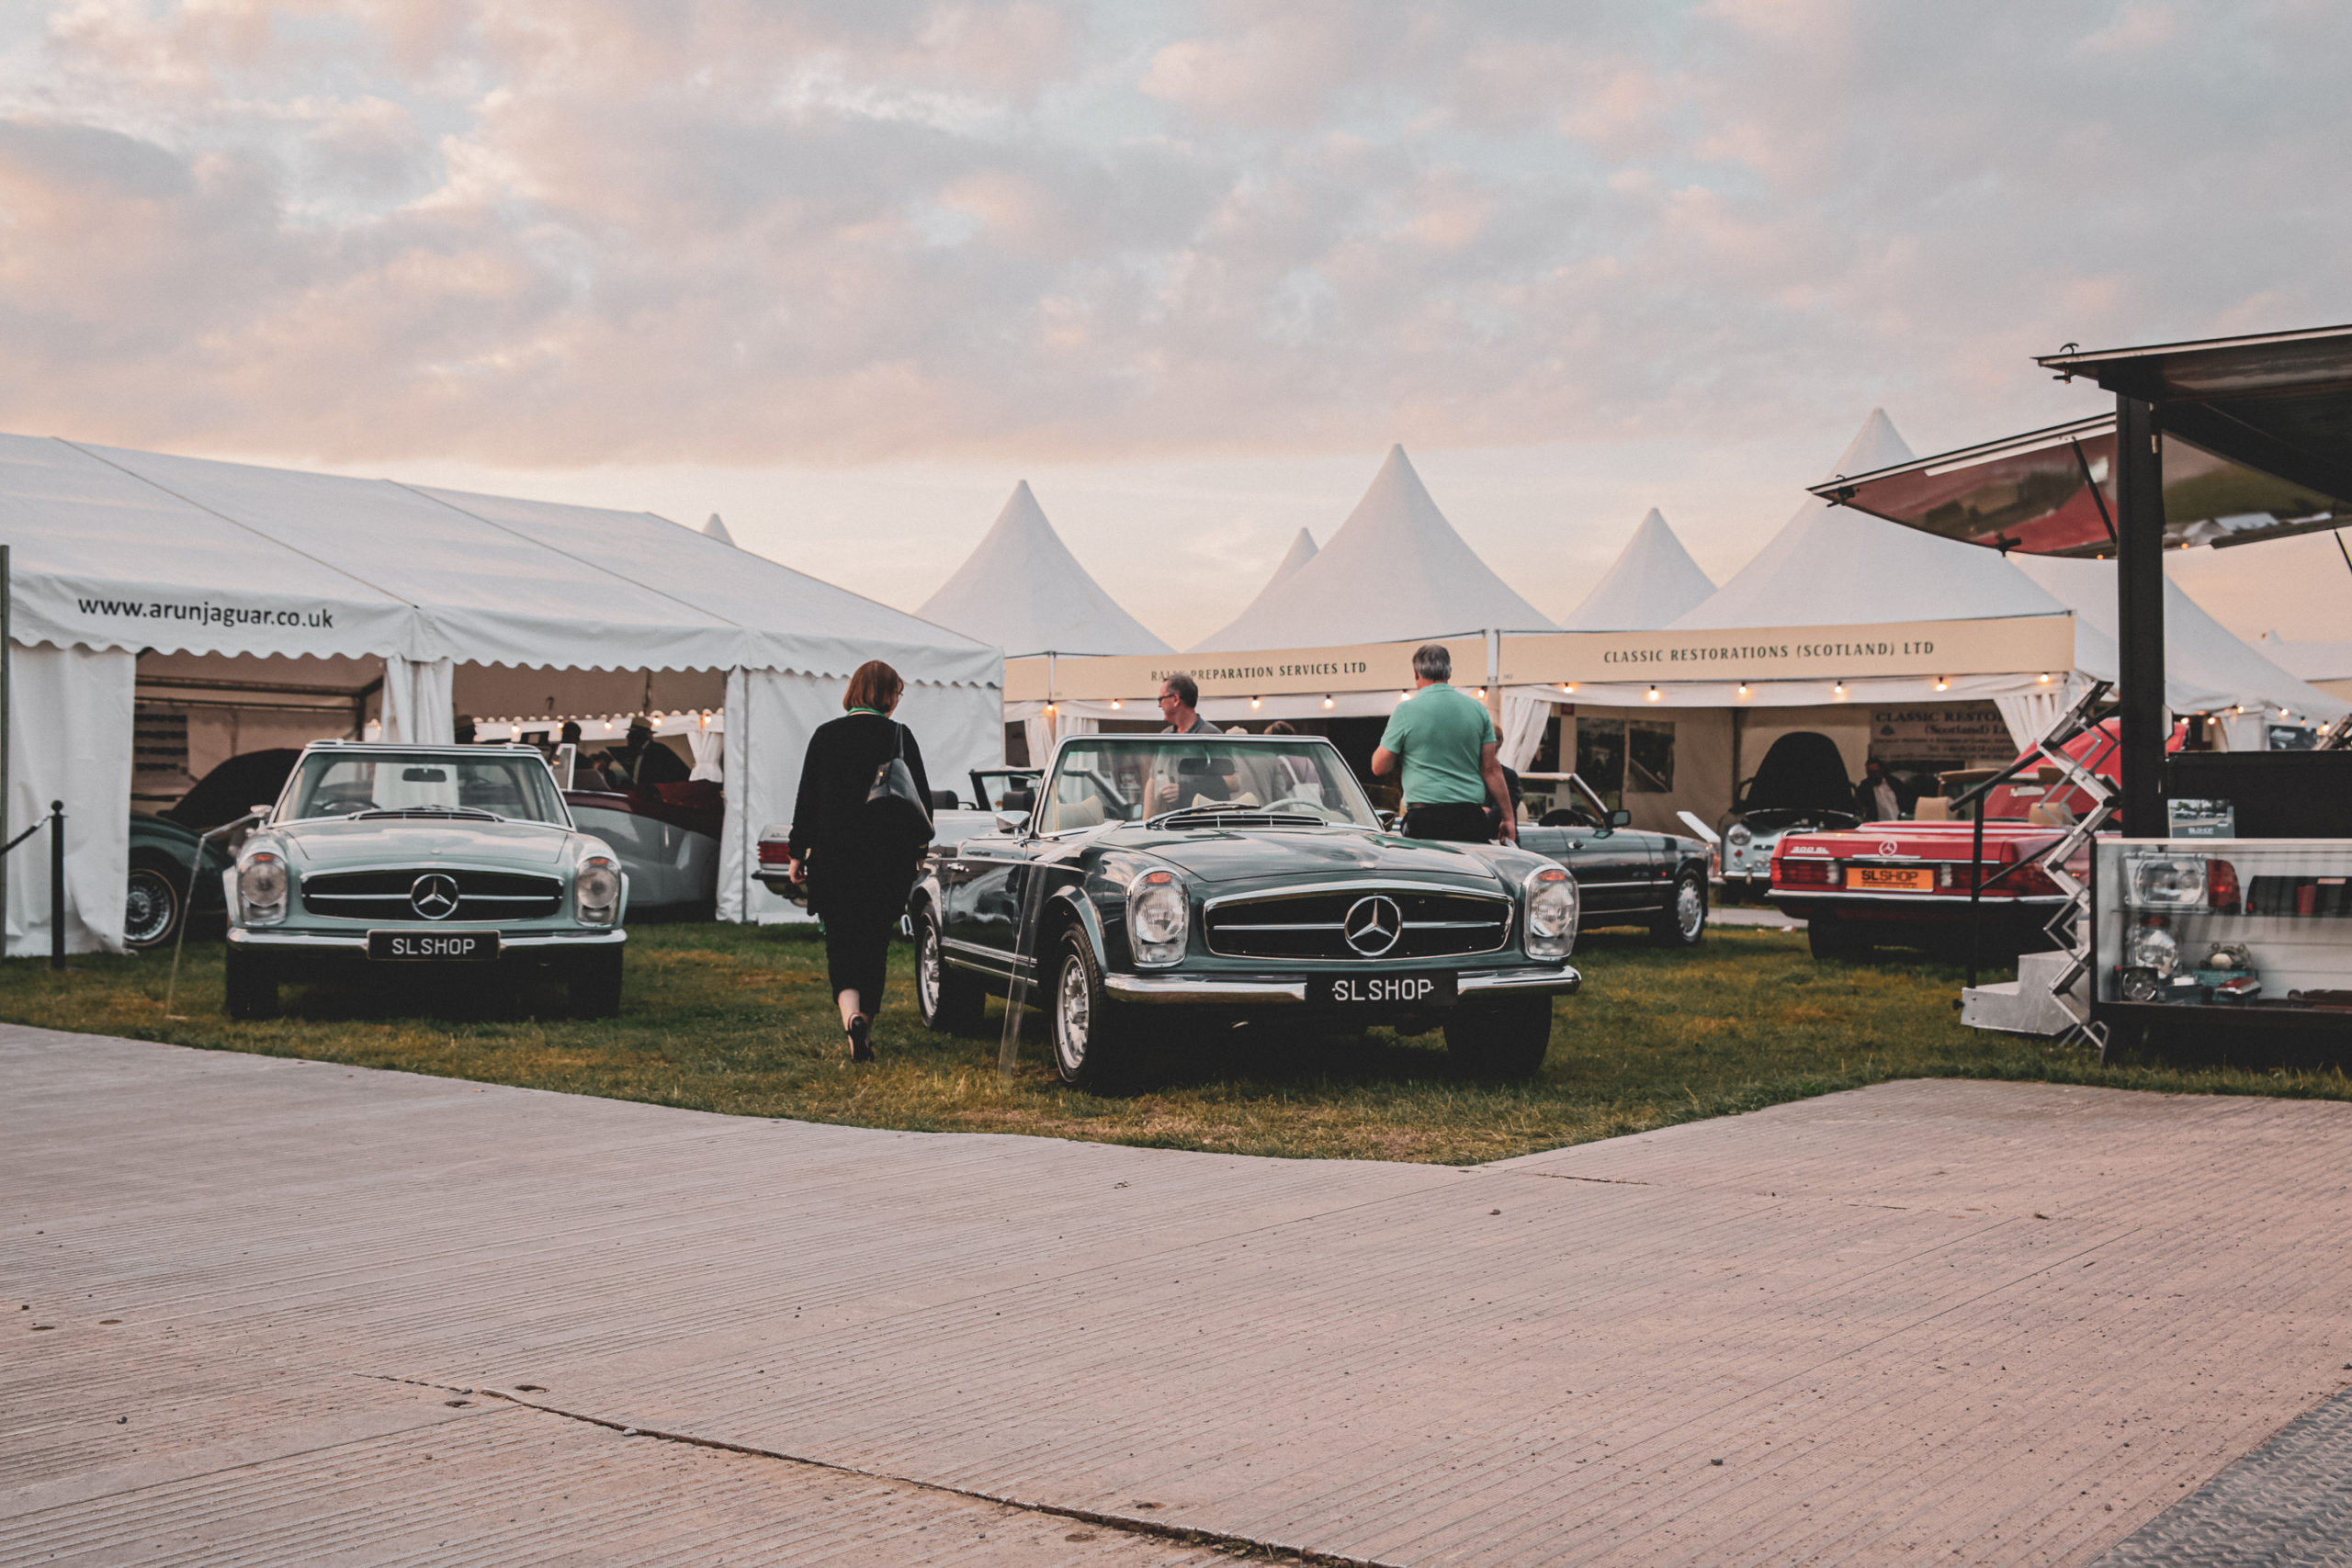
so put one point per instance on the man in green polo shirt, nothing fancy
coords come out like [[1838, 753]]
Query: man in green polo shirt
[[1445, 742]]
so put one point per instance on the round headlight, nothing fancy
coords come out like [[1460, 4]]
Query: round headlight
[[599, 884], [2152, 947], [1159, 914], [1551, 905], [1738, 835], [261, 881]]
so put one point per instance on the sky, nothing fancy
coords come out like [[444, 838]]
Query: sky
[[845, 271]]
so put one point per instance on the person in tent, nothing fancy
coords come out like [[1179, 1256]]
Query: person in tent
[[1880, 797], [1180, 698], [1443, 740], [641, 761]]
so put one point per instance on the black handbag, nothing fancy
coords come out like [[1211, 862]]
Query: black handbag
[[894, 801]]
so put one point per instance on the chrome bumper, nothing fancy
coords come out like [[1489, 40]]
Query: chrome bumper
[[1242, 990], [356, 942]]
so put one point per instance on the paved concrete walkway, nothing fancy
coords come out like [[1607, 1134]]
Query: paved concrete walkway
[[275, 1311]]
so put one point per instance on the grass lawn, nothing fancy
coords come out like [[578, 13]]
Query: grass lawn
[[736, 1019]]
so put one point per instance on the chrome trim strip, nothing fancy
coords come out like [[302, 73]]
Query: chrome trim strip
[[402, 897], [358, 942], [1560, 982], [1158, 988], [1943, 898], [1390, 885], [979, 949]]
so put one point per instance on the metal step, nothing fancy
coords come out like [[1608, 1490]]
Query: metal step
[[2027, 1005]]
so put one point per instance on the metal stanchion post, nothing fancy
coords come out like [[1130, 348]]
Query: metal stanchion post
[[57, 884]]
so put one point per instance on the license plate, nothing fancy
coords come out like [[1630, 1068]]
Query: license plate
[[1891, 878], [1383, 990], [433, 947]]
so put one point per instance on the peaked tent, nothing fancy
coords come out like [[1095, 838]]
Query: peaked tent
[[1301, 551], [717, 529], [117, 553], [1395, 572], [1833, 565], [1022, 590], [2327, 665], [1652, 582], [2208, 668]]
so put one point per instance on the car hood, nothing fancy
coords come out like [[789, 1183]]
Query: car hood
[[1302, 855], [404, 841]]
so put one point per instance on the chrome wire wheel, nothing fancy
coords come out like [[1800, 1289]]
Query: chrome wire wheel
[[149, 908], [927, 971], [1689, 909], [1073, 1017]]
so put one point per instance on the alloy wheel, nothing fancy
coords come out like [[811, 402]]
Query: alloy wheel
[[1690, 910], [147, 906]]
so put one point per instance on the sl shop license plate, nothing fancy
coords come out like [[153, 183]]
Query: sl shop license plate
[[1435, 988], [1891, 878], [433, 947]]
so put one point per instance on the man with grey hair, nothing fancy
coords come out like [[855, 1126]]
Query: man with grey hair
[[1443, 742], [1180, 700]]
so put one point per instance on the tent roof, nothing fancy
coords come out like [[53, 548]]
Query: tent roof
[[117, 549], [717, 529], [1301, 551], [1653, 581], [2307, 660], [1833, 566], [1022, 590], [2206, 666], [1395, 570]]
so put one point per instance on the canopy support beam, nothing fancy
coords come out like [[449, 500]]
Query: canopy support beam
[[2139, 616]]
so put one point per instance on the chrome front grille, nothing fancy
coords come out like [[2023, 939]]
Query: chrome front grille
[[385, 895], [1314, 925]]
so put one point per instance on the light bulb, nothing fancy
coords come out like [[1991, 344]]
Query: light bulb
[[1838, 691], [1652, 694], [2045, 678], [1942, 684], [1115, 705], [1255, 705], [1326, 702], [1742, 688]]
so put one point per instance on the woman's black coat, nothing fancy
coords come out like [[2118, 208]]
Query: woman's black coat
[[857, 863]]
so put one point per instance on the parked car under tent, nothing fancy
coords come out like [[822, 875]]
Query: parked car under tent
[[309, 605]]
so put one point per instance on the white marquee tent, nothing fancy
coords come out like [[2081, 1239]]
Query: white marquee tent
[[1022, 590], [2327, 665], [240, 569], [1395, 572], [1652, 582]]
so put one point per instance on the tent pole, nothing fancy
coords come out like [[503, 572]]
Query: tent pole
[[2140, 616]]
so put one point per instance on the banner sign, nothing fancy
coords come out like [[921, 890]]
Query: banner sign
[[1941, 732], [2011, 645]]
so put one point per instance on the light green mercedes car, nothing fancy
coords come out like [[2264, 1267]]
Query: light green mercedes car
[[428, 856]]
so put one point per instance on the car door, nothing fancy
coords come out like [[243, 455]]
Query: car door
[[1592, 858], [983, 905]]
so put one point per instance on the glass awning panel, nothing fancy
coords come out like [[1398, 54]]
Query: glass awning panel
[[2053, 493]]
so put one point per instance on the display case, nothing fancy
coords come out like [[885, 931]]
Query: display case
[[2255, 932]]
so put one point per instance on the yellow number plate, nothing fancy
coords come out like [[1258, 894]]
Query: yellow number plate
[[1891, 878]]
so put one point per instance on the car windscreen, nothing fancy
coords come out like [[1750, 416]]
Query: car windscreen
[[1118, 778], [342, 783]]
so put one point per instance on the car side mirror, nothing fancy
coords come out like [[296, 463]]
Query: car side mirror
[[1620, 819], [259, 813]]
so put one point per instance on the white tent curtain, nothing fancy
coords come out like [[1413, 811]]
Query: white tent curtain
[[2030, 713], [1524, 716], [419, 708], [70, 740], [1044, 729], [707, 749]]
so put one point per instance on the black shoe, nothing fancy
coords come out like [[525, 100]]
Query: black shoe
[[860, 1047]]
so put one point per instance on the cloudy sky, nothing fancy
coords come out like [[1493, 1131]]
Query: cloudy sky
[[845, 270]]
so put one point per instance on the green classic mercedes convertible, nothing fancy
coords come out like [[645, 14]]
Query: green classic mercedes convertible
[[434, 857], [1209, 878]]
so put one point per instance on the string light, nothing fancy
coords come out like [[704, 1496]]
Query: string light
[[2283, 714], [1742, 688], [1652, 694], [1114, 704], [1942, 684], [2045, 678], [1838, 691], [1255, 704], [1326, 702], [1482, 694], [1051, 710]]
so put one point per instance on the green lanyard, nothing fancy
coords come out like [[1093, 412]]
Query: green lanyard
[[875, 712]]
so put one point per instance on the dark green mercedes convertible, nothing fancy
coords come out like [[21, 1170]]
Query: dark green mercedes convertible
[[1167, 882]]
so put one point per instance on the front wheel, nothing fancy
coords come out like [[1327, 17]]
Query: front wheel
[[152, 904], [1096, 1040], [1684, 919], [595, 984], [252, 984], [951, 1001], [1504, 1038]]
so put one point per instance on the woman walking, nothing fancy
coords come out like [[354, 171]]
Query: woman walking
[[859, 855]]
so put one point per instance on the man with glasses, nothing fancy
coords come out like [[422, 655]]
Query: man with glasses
[[1180, 698]]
